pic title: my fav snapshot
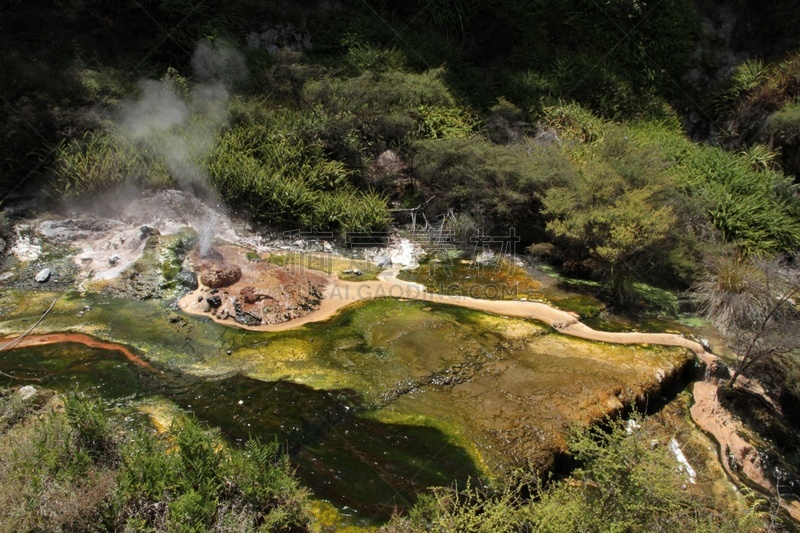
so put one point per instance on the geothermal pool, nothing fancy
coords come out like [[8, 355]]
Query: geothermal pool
[[375, 395]]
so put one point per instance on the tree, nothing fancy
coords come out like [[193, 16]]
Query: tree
[[752, 302], [615, 217]]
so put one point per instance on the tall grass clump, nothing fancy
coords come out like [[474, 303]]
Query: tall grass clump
[[741, 196], [757, 209], [99, 161], [282, 179], [189, 479]]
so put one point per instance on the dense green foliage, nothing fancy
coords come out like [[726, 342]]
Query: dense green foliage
[[553, 118], [756, 208], [98, 162], [70, 469], [627, 481], [283, 180], [498, 113], [613, 56]]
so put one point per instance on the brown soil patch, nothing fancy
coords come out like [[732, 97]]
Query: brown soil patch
[[237, 290]]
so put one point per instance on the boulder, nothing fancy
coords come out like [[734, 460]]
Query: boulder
[[42, 276], [187, 279], [146, 231], [214, 302], [221, 276], [26, 392], [717, 371]]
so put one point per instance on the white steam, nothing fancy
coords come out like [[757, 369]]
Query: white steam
[[179, 123]]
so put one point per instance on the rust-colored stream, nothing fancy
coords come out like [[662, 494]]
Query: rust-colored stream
[[13, 343]]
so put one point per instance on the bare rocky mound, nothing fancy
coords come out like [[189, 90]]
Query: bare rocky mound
[[253, 293], [216, 276]]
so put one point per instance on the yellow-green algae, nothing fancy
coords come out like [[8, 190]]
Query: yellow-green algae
[[329, 264], [496, 385], [500, 390], [500, 279]]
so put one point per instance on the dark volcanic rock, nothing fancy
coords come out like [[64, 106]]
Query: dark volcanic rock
[[214, 302], [220, 276], [187, 279]]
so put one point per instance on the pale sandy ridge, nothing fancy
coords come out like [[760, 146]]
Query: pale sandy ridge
[[706, 412], [340, 294]]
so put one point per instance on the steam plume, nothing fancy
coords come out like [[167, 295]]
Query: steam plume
[[179, 123]]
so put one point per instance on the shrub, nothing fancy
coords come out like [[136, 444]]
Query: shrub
[[624, 482], [63, 470], [201, 483], [498, 186], [90, 426], [56, 471], [785, 124], [755, 209], [363, 57], [360, 117]]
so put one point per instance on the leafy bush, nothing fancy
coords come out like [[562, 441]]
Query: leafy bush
[[360, 117], [756, 209], [65, 470], [755, 93], [202, 484], [624, 482], [492, 48], [91, 428], [613, 215], [613, 218], [363, 57], [498, 186], [56, 468], [785, 124]]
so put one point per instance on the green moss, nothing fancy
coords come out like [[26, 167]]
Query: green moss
[[330, 264], [499, 279]]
